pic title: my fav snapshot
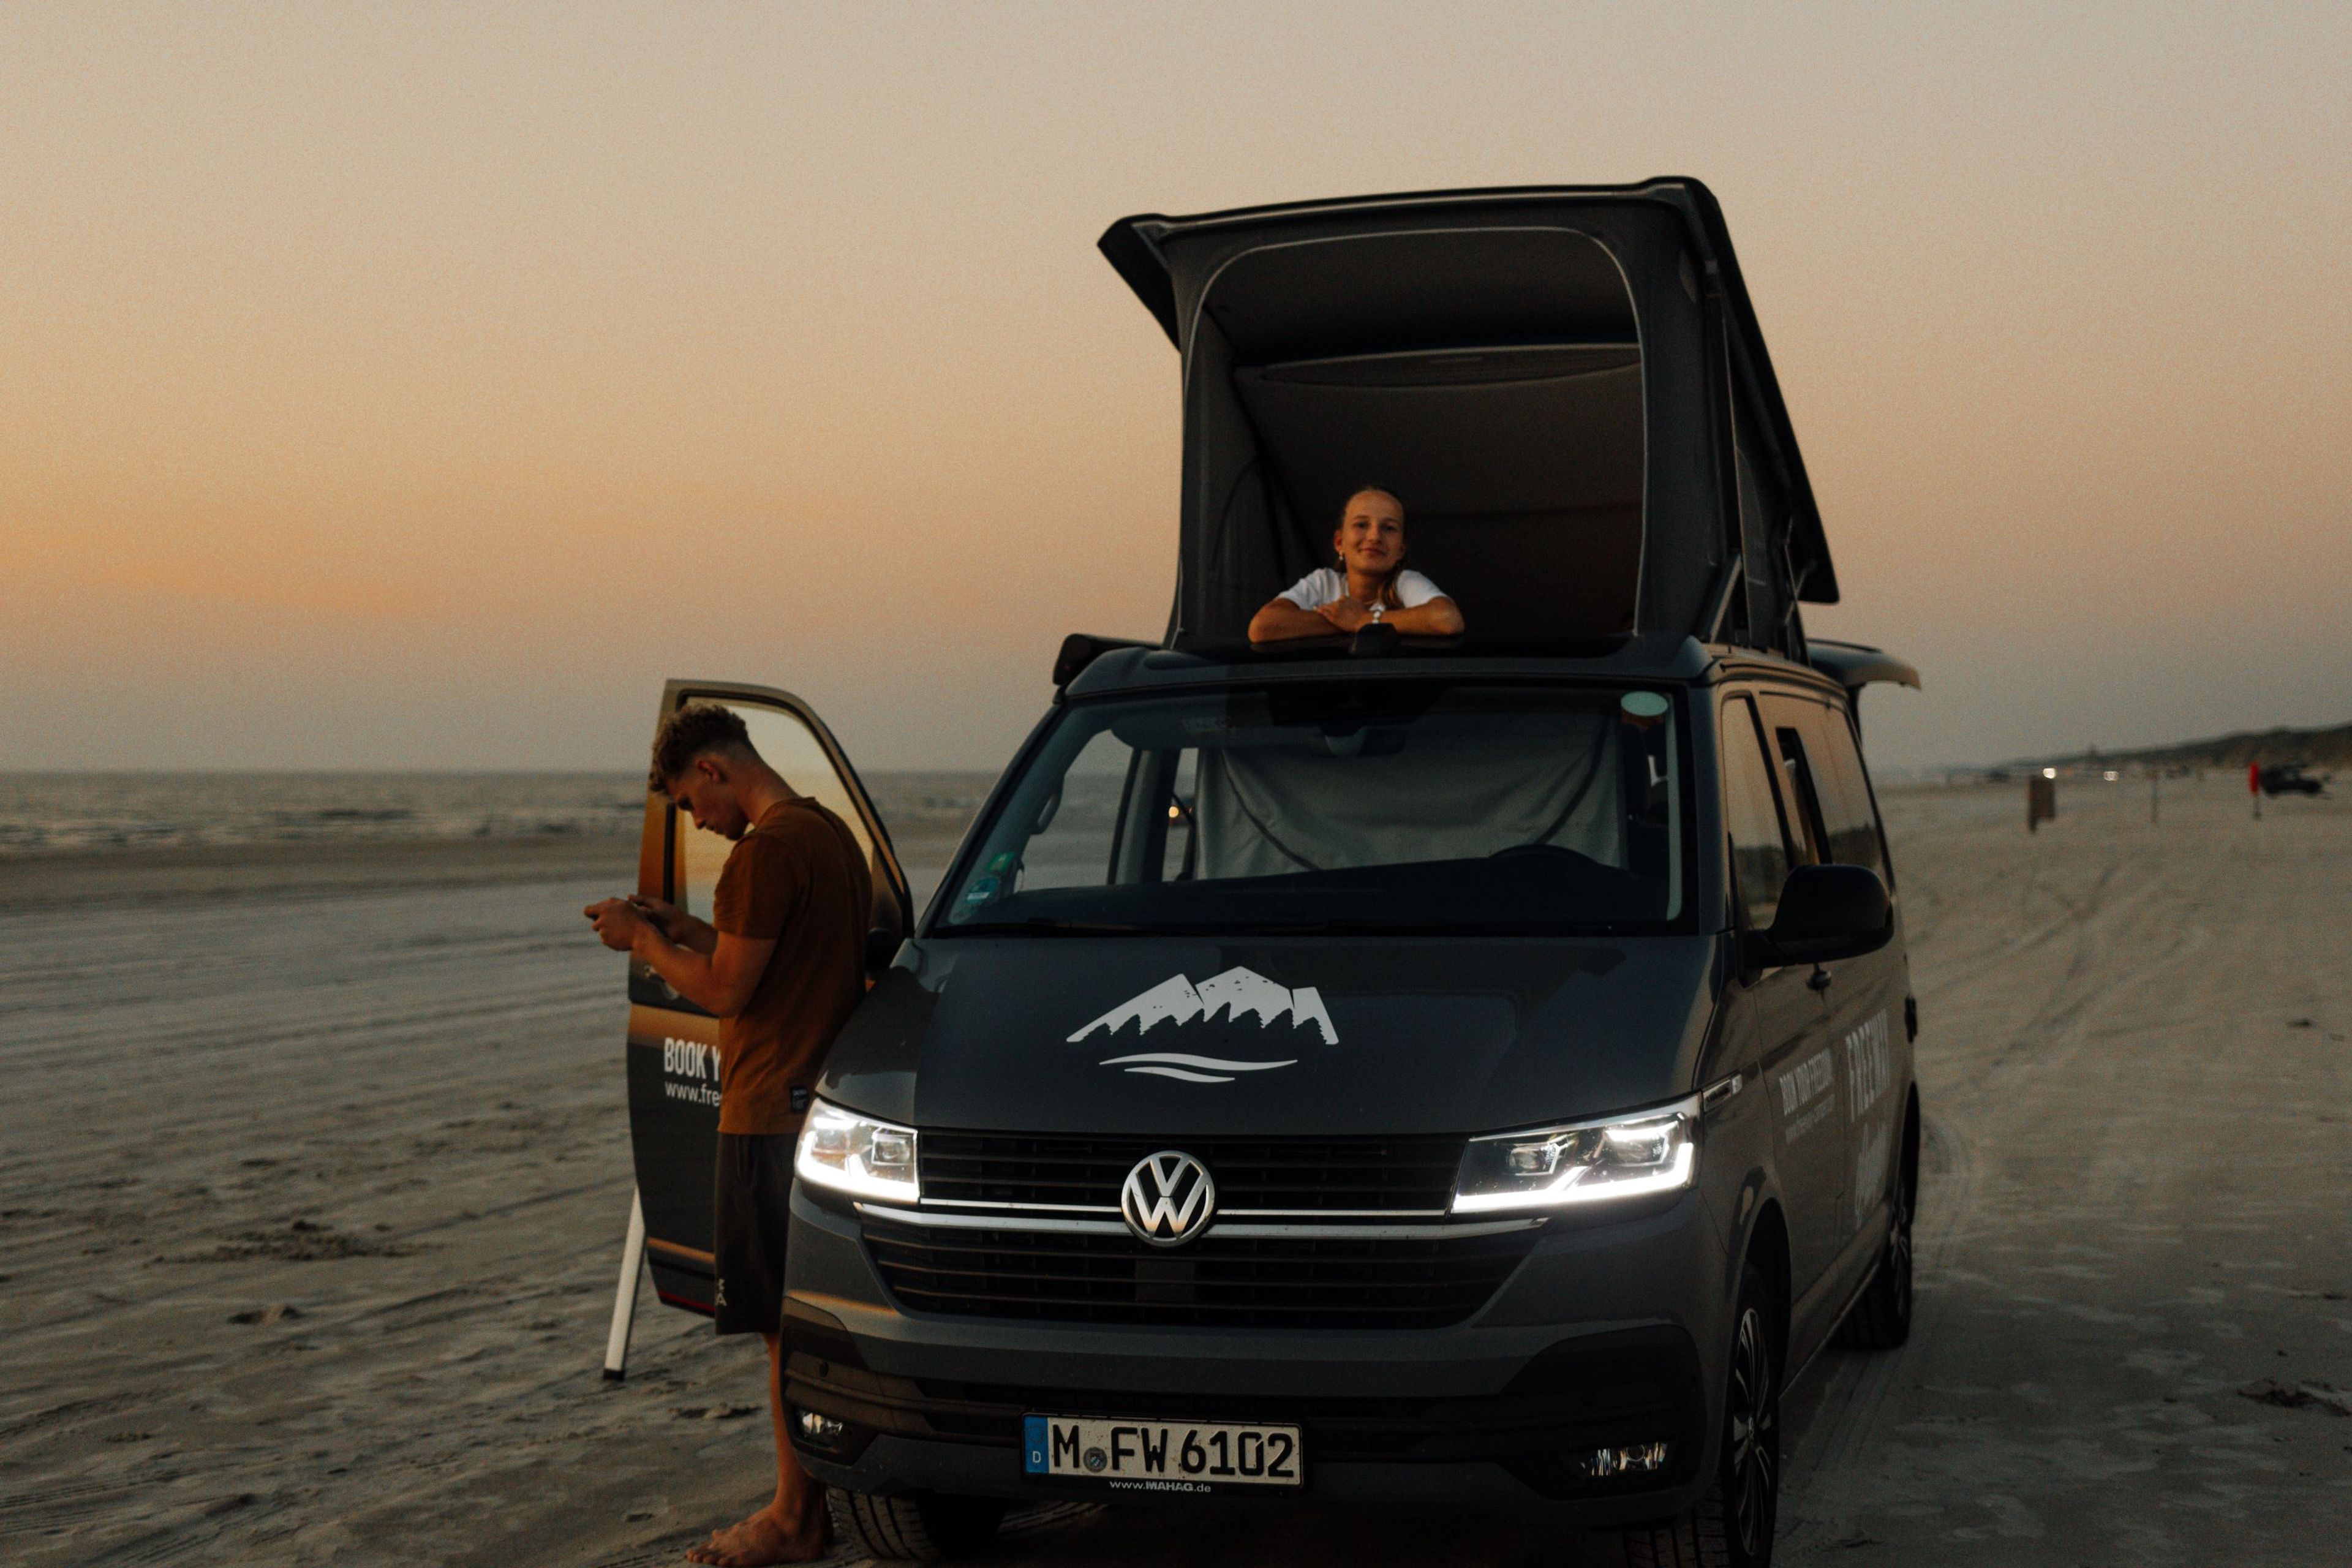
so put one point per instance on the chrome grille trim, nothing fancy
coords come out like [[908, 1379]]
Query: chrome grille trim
[[1019, 1206], [1220, 1226], [982, 1206]]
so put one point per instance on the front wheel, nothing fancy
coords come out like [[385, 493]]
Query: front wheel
[[1733, 1525], [924, 1527]]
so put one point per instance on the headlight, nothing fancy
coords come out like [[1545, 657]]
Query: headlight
[[1584, 1162], [856, 1154]]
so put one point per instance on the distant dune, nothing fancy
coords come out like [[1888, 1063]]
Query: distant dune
[[2322, 747]]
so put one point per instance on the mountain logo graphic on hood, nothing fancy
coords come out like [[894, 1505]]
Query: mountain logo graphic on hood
[[1178, 1000]]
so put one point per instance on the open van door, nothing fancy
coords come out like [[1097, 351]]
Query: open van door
[[673, 1046]]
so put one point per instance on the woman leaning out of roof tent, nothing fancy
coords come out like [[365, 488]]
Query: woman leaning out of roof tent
[[1369, 584]]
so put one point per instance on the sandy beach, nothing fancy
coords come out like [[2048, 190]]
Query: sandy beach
[[314, 1171]]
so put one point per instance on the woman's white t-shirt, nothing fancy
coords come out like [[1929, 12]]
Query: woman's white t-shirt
[[1326, 586]]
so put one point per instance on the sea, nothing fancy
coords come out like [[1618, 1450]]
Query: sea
[[43, 812]]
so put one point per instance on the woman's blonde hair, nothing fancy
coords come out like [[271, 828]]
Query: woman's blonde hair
[[1388, 594]]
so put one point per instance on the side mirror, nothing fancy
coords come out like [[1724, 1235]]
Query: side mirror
[[881, 947], [1827, 914]]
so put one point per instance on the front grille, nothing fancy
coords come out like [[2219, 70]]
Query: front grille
[[1301, 1175], [1309, 1282]]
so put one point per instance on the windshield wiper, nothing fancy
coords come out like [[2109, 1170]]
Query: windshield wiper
[[1040, 925], [1352, 927]]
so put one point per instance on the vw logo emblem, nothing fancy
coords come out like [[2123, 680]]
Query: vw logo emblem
[[1168, 1198]]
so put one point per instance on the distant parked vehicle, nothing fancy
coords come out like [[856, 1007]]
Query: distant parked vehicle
[[2289, 778]]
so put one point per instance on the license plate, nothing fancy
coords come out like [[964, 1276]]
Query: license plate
[[1161, 1456]]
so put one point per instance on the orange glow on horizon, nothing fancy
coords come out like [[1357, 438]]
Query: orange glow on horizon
[[379, 377]]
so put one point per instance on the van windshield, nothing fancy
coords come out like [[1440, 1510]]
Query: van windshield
[[1378, 805]]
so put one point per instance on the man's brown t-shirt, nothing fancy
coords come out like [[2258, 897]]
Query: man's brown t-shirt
[[799, 876]]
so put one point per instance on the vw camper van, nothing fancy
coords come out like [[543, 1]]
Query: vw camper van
[[1473, 1071]]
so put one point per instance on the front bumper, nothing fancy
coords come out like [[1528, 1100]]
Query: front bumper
[[1597, 1340]]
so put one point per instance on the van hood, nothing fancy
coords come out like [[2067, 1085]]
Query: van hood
[[1298, 1037]]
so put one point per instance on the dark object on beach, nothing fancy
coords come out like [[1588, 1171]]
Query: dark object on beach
[[2289, 778], [2041, 802], [303, 1241], [2307, 1396], [276, 1313]]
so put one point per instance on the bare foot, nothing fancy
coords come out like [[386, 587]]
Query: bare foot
[[768, 1536]]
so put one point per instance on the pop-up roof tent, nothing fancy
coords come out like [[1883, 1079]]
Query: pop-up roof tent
[[1566, 386]]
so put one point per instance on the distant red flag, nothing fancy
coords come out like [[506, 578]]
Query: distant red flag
[[2253, 778]]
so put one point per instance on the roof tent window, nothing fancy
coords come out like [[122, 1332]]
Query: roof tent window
[[1490, 376]]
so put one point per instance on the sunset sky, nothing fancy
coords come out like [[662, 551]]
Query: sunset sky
[[417, 386]]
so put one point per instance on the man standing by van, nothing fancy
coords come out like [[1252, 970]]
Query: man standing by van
[[781, 964]]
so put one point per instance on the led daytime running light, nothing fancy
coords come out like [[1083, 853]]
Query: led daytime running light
[[1581, 1162], [845, 1152]]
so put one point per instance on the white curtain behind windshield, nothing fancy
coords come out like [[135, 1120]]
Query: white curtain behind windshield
[[1468, 784], [1343, 805]]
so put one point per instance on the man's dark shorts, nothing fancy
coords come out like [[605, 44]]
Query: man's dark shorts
[[754, 1195]]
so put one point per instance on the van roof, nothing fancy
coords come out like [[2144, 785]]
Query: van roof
[[1676, 660]]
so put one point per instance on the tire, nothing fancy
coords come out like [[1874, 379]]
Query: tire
[[1880, 1319], [923, 1528], [1734, 1523]]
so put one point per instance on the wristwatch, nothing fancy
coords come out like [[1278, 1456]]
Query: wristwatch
[[1378, 611]]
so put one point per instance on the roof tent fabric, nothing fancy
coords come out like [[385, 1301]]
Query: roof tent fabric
[[1546, 376]]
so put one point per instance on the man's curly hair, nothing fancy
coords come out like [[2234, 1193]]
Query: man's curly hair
[[693, 731]]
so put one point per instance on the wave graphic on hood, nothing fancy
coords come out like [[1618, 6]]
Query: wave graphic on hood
[[1172, 1064], [1177, 1000]]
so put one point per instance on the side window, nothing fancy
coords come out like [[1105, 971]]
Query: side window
[[787, 746], [1759, 845], [1799, 791], [1854, 836]]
